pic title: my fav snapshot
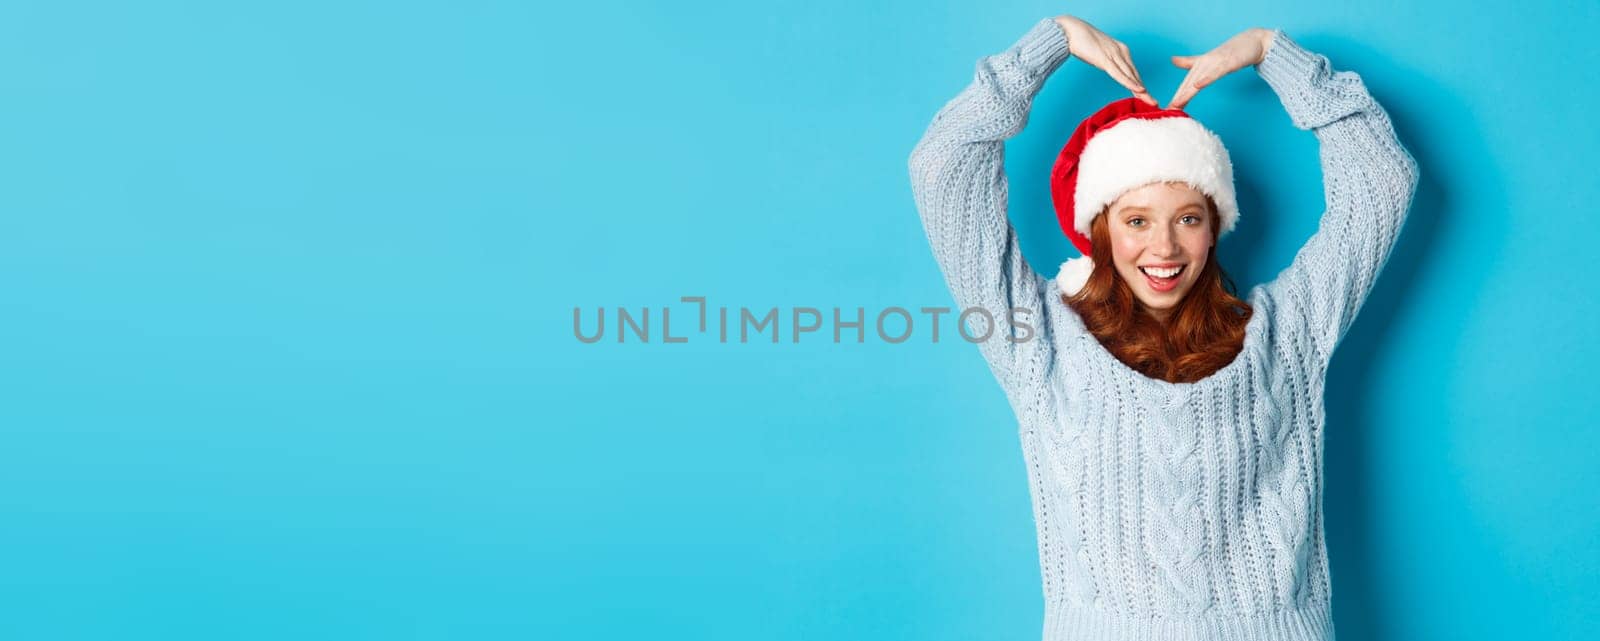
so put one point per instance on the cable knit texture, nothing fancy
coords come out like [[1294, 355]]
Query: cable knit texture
[[1170, 511]]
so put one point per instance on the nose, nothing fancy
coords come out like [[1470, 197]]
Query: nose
[[1165, 244]]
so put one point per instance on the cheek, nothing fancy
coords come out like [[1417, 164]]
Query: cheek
[[1197, 245], [1126, 249]]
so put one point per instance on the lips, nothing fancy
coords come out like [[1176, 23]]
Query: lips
[[1160, 283]]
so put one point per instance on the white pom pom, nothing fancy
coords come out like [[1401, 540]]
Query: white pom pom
[[1074, 273]]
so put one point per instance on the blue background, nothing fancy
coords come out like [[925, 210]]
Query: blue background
[[287, 294]]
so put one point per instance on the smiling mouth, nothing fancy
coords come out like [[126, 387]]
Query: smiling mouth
[[1166, 281]]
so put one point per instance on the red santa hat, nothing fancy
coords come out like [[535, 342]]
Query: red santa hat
[[1126, 145]]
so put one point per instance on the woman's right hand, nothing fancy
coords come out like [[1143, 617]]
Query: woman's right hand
[[1093, 46]]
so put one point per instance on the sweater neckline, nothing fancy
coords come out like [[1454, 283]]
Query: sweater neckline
[[1252, 339]]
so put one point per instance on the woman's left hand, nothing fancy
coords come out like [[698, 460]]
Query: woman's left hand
[[1248, 48]]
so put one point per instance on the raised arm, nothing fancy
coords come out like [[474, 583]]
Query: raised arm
[[1368, 179], [959, 184]]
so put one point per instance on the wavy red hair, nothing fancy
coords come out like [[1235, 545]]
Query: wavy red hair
[[1205, 331]]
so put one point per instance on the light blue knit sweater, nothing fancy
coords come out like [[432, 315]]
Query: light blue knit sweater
[[1170, 511]]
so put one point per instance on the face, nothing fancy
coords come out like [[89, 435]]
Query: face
[[1160, 235]]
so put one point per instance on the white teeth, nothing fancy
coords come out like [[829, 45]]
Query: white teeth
[[1162, 273]]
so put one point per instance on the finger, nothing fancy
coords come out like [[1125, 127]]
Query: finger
[[1134, 68], [1173, 103], [1185, 92], [1113, 67], [1182, 102], [1142, 93], [1127, 60], [1183, 62], [1128, 81], [1130, 84], [1199, 77], [1118, 59], [1124, 76]]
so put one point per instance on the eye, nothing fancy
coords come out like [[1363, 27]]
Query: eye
[[1135, 222], [1195, 220]]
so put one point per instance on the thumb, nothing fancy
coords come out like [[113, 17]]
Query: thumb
[[1183, 62]]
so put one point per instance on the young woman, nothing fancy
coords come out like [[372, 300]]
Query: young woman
[[1172, 432]]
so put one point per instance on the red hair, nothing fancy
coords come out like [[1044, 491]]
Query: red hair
[[1203, 333]]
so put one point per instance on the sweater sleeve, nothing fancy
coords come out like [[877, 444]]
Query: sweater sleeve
[[1368, 182], [959, 184]]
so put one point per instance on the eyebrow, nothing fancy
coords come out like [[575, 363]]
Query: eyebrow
[[1188, 206]]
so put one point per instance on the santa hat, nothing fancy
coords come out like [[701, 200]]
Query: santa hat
[[1126, 145]]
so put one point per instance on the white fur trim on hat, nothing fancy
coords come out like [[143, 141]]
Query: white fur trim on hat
[[1074, 274], [1139, 151]]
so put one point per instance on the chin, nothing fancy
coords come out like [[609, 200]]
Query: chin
[[1161, 309], [1163, 301]]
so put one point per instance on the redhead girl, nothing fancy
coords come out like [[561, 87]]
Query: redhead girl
[[1172, 430]]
